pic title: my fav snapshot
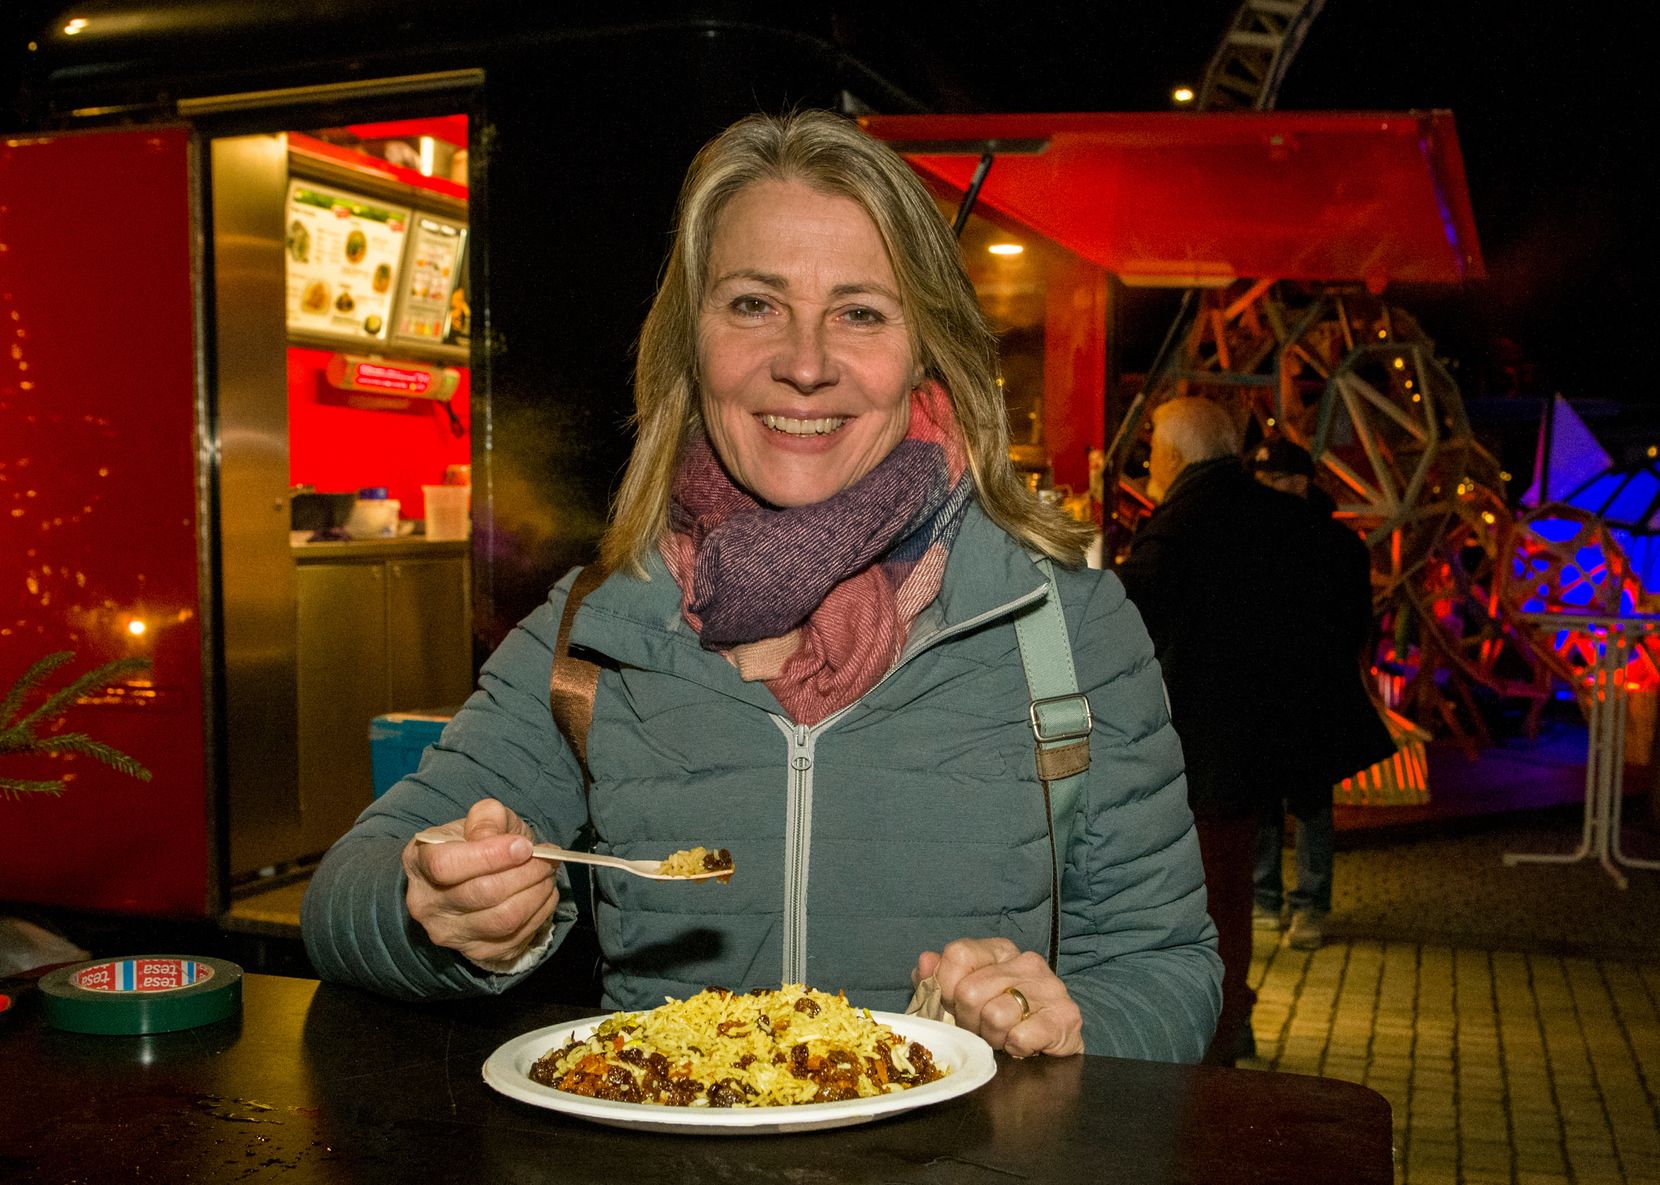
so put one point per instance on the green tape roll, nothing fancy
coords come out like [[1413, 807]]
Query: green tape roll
[[141, 994]]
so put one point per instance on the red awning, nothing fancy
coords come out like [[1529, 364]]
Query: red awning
[[1202, 199]]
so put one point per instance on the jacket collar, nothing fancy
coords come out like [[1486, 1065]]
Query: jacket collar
[[1203, 473], [637, 622], [987, 570]]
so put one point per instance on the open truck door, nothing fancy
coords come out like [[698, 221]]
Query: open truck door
[[102, 467]]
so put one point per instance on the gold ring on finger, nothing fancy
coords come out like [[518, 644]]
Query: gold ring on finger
[[1019, 998]]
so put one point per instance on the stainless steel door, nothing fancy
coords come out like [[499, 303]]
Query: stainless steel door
[[256, 571]]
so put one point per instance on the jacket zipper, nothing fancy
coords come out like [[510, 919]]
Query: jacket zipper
[[798, 811], [798, 832]]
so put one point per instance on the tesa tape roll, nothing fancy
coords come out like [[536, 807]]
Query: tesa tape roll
[[141, 994]]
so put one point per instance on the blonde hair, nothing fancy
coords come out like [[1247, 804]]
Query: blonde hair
[[951, 338]]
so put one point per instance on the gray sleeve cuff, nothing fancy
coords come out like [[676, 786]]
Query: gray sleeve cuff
[[537, 951]]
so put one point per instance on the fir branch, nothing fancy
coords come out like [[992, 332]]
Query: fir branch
[[14, 788], [32, 676], [19, 736], [79, 742], [16, 740], [94, 680]]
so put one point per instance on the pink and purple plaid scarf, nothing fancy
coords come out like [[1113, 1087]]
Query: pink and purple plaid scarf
[[816, 601]]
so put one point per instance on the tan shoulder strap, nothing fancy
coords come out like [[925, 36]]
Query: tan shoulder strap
[[573, 680]]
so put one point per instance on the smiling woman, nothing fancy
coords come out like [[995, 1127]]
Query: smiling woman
[[802, 643]]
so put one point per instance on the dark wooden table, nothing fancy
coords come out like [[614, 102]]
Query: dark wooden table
[[318, 1083]]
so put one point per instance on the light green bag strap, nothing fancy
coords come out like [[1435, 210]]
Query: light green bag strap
[[1061, 722]]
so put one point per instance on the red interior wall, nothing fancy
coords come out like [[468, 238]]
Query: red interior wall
[[341, 441]]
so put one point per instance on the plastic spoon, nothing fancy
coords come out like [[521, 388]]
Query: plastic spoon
[[650, 869]]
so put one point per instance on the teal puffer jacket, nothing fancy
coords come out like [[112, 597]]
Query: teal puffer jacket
[[910, 818]]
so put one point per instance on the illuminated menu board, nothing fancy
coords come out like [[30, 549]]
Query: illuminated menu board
[[343, 253], [431, 297]]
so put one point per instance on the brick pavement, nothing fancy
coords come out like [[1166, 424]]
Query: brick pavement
[[1501, 1067]]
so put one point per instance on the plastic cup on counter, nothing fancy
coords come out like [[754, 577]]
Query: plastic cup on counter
[[448, 511]]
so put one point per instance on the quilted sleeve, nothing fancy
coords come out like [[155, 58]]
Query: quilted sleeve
[[1138, 950], [503, 745]]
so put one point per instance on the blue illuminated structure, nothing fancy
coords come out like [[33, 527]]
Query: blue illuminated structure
[[1571, 467], [1627, 499]]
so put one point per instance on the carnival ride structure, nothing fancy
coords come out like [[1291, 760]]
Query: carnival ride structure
[[1463, 581]]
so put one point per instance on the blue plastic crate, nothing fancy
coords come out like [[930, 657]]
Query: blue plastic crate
[[396, 742]]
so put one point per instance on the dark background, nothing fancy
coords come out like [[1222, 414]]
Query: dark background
[[1549, 111]]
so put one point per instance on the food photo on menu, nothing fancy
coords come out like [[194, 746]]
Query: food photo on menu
[[343, 253]]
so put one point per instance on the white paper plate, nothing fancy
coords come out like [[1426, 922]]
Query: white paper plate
[[964, 1055]]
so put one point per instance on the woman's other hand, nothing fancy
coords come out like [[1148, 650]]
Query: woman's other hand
[[487, 897], [975, 976]]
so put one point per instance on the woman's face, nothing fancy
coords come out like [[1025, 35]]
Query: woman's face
[[804, 356]]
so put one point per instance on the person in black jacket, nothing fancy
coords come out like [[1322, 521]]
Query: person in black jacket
[[1346, 728], [1220, 573]]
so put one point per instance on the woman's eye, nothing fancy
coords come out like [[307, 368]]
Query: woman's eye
[[861, 315], [749, 306]]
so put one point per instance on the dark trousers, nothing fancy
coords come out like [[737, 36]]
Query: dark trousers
[[1316, 848], [1227, 848]]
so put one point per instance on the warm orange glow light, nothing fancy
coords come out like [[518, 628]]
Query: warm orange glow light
[[1005, 248], [1182, 94], [136, 628], [75, 26]]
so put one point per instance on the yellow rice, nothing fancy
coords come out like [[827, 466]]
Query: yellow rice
[[694, 862], [721, 1049]]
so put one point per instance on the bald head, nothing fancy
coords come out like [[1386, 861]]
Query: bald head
[[1185, 432]]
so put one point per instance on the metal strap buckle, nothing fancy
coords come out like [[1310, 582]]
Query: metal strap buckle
[[1075, 734]]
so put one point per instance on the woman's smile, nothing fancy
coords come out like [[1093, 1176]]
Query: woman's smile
[[793, 427]]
